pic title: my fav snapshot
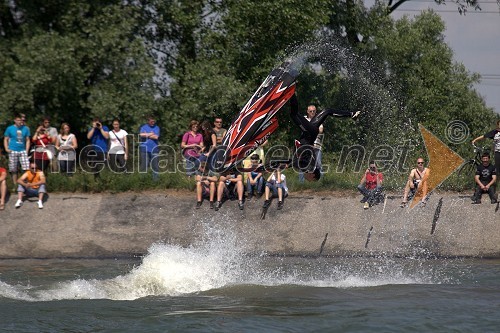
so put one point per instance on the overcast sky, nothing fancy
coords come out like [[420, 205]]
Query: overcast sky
[[474, 38]]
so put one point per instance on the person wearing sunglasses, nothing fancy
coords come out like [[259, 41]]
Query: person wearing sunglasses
[[31, 184], [417, 178], [219, 131]]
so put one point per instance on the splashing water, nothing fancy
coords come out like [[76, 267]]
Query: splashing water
[[363, 86], [218, 262]]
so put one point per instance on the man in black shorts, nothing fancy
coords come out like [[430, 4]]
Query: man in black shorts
[[304, 159]]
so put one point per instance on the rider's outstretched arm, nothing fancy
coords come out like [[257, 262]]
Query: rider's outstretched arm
[[321, 117]]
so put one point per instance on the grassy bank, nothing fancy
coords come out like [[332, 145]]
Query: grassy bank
[[115, 183]]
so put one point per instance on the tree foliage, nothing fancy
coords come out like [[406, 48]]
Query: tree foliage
[[183, 60], [72, 61]]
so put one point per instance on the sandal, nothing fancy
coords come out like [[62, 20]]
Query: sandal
[[403, 204], [2, 206]]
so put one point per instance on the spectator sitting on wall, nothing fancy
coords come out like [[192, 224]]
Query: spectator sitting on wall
[[371, 186], [485, 180], [31, 184]]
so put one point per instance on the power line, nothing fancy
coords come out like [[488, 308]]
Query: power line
[[448, 11], [479, 3]]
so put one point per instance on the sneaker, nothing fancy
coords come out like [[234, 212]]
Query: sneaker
[[217, 206], [494, 201], [403, 204], [211, 205], [249, 198], [476, 202], [363, 200], [18, 204], [366, 206], [198, 204], [240, 205], [280, 205], [40, 204], [267, 203]]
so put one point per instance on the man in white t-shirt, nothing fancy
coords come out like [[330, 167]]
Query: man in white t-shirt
[[277, 184], [118, 148]]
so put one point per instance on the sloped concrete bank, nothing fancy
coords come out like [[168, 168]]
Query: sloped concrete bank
[[114, 225]]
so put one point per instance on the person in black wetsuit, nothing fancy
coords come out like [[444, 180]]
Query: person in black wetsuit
[[304, 158]]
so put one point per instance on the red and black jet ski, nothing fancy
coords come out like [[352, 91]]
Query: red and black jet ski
[[257, 120]]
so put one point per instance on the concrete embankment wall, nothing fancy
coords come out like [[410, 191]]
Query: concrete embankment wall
[[114, 225]]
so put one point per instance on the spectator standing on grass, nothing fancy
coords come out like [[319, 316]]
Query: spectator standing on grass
[[52, 132], [17, 144], [192, 147], [98, 135], [485, 178], [118, 148], [209, 139], [219, 131], [66, 144], [42, 155], [149, 134]]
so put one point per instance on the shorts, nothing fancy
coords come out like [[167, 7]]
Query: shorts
[[16, 157], [31, 192], [274, 189]]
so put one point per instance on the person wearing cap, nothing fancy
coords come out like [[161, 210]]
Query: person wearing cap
[[255, 182]]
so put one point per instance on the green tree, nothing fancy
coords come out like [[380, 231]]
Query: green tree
[[73, 61]]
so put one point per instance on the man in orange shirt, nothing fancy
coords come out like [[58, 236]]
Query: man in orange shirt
[[31, 184], [371, 186]]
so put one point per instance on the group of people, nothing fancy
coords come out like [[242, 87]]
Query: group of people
[[485, 178], [36, 154], [259, 182], [371, 185], [199, 142], [17, 143], [197, 145], [51, 150]]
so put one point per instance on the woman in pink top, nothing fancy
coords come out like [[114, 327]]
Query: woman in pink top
[[192, 145]]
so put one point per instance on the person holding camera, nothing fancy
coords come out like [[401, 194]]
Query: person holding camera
[[98, 135], [42, 155], [371, 186]]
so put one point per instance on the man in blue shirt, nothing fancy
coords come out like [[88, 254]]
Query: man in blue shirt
[[17, 144], [149, 134], [96, 155]]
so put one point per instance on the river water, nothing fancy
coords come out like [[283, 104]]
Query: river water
[[215, 287]]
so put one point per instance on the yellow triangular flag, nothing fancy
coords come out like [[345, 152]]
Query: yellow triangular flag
[[442, 163]]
